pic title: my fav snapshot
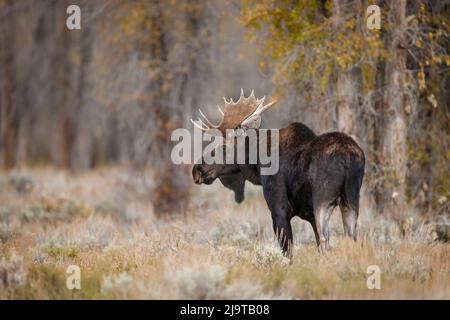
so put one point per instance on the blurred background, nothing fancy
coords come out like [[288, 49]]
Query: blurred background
[[111, 93], [85, 122]]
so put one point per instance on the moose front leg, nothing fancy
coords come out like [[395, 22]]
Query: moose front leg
[[283, 231], [277, 200], [312, 220]]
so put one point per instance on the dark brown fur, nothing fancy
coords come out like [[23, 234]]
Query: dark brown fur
[[316, 173]]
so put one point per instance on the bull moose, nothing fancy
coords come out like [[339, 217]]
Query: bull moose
[[316, 173]]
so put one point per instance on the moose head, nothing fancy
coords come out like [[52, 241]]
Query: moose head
[[243, 114]]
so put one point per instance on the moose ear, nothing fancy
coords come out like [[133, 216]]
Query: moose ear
[[235, 182]]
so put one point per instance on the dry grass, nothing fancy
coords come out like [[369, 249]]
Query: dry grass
[[102, 222]]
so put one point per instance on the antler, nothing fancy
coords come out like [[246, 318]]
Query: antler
[[245, 112]]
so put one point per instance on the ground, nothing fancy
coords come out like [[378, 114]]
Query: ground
[[102, 222]]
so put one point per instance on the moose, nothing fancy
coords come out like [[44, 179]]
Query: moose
[[316, 173]]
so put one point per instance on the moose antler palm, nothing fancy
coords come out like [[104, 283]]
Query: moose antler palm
[[246, 112]]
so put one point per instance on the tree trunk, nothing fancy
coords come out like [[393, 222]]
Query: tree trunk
[[62, 84], [391, 129], [8, 119], [348, 82], [171, 193], [348, 92], [82, 150]]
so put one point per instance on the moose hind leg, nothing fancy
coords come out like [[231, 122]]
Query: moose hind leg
[[322, 216], [349, 219]]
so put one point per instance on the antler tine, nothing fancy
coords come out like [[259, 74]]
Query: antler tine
[[220, 110], [262, 100], [203, 124], [226, 102], [252, 94], [270, 104], [263, 107], [207, 120], [198, 126], [242, 97]]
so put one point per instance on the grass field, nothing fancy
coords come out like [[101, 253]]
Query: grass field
[[102, 222]]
